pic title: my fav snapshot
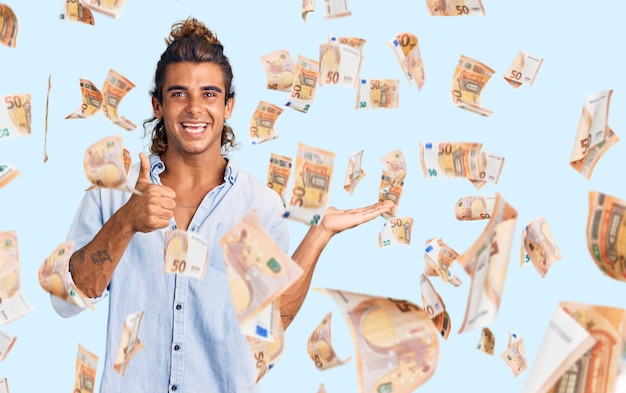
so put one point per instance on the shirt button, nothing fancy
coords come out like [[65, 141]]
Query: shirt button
[[173, 388], [176, 347], [178, 306]]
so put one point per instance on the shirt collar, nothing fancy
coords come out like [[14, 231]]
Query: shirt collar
[[157, 167]]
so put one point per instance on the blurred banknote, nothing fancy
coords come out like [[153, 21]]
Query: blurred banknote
[[406, 48], [307, 6], [52, 277], [455, 7], [7, 173], [13, 304], [469, 80], [322, 389], [75, 11], [15, 116], [515, 355], [340, 61], [390, 189], [266, 353], [336, 9], [112, 8], [606, 234], [523, 70], [354, 172], [487, 342], [486, 262], [185, 253], [583, 346], [6, 343], [262, 122], [304, 84], [258, 270], [4, 385], [115, 88], [377, 93], [396, 165], [434, 306], [396, 344], [460, 159], [594, 136], [396, 231], [311, 186], [92, 101], [538, 246], [8, 26], [279, 69], [474, 207], [45, 140], [278, 174], [107, 163], [129, 343], [438, 257], [266, 324], [320, 347], [86, 364]]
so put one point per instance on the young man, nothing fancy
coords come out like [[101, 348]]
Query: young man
[[192, 341]]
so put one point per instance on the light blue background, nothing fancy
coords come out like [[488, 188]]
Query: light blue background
[[533, 127]]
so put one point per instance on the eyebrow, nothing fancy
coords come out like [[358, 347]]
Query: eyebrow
[[205, 88]]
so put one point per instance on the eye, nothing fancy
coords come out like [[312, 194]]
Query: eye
[[210, 94], [178, 94]]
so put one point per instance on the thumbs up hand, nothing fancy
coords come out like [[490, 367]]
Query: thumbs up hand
[[152, 206]]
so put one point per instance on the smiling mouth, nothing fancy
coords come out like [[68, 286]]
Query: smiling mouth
[[194, 128]]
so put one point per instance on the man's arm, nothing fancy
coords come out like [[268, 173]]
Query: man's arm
[[147, 210], [312, 245]]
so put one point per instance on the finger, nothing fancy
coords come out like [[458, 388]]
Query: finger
[[144, 169]]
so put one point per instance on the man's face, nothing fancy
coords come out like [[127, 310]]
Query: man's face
[[193, 108]]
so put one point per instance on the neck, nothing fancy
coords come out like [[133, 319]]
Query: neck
[[192, 172]]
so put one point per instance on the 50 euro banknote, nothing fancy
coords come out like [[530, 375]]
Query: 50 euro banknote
[[310, 193], [460, 159], [468, 82], [15, 116], [455, 7], [107, 164], [186, 253]]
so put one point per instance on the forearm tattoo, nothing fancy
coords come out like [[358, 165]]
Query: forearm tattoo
[[100, 257]]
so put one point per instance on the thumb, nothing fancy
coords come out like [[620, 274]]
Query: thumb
[[144, 169]]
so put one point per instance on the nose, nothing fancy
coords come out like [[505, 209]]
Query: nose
[[194, 104]]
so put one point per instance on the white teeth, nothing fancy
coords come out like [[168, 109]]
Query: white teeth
[[194, 127]]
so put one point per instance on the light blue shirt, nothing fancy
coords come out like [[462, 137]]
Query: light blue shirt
[[190, 333]]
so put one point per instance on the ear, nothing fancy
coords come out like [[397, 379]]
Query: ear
[[229, 107], [156, 107]]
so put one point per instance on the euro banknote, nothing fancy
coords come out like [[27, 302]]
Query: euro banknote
[[7, 173], [86, 365], [263, 121], [354, 171], [107, 164], [395, 342], [310, 193], [6, 343], [340, 61], [8, 26], [455, 7], [258, 270], [186, 253], [336, 9], [524, 69], [606, 234], [438, 258], [594, 135], [278, 174], [487, 342], [75, 11], [129, 343], [396, 231], [468, 82], [538, 246], [304, 84], [307, 6], [514, 355], [405, 46], [280, 70], [112, 8], [15, 116], [474, 207], [578, 339], [486, 262], [377, 94], [320, 347]]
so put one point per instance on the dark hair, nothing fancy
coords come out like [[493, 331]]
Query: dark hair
[[190, 41]]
